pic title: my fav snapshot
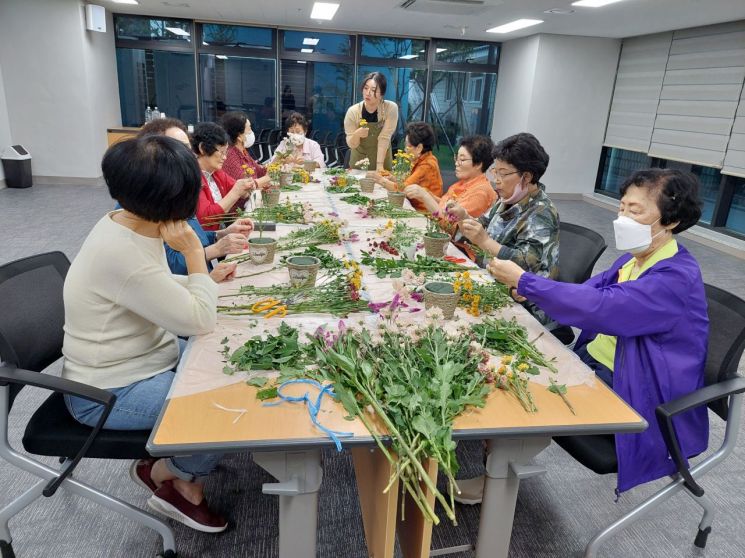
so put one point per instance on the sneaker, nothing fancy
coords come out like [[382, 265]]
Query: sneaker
[[140, 471], [167, 501], [471, 490]]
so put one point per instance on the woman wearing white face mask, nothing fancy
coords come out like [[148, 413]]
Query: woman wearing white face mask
[[644, 321], [300, 147], [239, 163]]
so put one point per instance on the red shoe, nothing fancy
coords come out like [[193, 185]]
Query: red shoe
[[141, 471], [167, 501]]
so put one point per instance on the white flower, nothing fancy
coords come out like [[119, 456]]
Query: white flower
[[434, 315]]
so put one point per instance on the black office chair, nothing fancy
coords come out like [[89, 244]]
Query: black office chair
[[723, 393], [30, 340], [262, 140], [275, 137], [579, 250]]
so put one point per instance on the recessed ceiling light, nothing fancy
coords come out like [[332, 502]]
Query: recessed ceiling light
[[323, 10], [178, 31], [594, 3], [125, 1], [441, 50], [222, 57], [306, 50], [559, 11], [301, 61], [310, 41], [408, 56], [514, 25]]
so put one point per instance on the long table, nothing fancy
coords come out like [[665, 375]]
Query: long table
[[208, 411]]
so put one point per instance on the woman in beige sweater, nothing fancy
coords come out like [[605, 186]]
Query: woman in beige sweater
[[370, 125], [124, 310]]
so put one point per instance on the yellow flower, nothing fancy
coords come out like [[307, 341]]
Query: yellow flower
[[506, 359], [522, 367], [502, 370]]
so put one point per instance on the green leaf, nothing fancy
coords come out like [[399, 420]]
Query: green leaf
[[268, 393], [257, 381], [228, 370], [224, 341], [557, 388]]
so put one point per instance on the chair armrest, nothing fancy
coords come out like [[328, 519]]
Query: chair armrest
[[12, 375], [667, 411]]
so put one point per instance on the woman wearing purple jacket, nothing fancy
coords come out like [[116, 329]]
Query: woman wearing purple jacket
[[644, 321]]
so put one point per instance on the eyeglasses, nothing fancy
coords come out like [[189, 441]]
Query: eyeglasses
[[501, 175], [460, 161], [222, 152]]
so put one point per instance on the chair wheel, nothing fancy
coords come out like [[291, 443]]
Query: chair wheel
[[166, 554], [701, 537], [6, 550]]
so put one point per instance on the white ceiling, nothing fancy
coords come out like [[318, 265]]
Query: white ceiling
[[449, 19]]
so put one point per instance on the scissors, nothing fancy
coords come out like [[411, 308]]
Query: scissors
[[272, 306]]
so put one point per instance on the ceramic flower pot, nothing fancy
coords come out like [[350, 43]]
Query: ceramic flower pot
[[436, 243], [396, 198], [367, 185], [270, 198], [261, 250], [303, 270], [442, 295]]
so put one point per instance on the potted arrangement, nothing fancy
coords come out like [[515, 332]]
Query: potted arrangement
[[442, 295], [303, 270], [367, 184], [270, 196], [309, 166], [435, 240], [401, 170], [261, 249]]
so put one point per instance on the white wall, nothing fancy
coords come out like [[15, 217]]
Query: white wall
[[5, 137], [560, 91], [60, 85]]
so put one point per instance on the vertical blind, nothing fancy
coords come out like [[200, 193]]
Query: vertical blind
[[700, 93], [641, 70]]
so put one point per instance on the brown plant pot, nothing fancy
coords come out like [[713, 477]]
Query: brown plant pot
[[261, 250], [442, 295], [435, 244], [270, 198], [285, 178], [303, 270], [396, 198], [367, 185], [309, 166]]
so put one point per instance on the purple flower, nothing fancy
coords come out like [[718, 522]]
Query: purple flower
[[415, 310], [376, 306], [333, 214], [417, 297]]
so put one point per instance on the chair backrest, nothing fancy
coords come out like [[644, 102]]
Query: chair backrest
[[726, 339], [33, 312], [579, 249]]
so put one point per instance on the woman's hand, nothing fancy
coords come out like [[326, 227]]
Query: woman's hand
[[505, 271], [242, 226], [416, 192], [232, 243], [376, 176], [180, 237], [224, 271], [454, 208], [362, 132], [244, 187], [473, 231]]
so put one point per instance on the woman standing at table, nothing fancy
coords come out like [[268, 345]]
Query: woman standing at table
[[370, 125]]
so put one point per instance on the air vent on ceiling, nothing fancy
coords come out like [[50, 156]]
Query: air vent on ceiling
[[449, 7]]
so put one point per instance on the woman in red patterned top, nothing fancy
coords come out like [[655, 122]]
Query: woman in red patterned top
[[220, 192], [241, 137]]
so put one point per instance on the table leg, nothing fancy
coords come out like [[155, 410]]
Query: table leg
[[299, 474], [505, 466]]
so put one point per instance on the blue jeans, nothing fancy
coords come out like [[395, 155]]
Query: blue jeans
[[601, 370], [137, 407]]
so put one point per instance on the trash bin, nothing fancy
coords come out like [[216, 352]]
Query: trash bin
[[17, 167]]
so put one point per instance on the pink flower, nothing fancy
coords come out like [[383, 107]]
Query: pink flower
[[418, 297]]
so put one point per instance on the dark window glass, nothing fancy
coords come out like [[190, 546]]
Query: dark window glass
[[321, 91], [736, 216], [466, 52], [618, 165], [310, 42], [391, 47], [405, 88], [156, 78], [236, 36], [131, 28], [710, 180], [462, 104], [238, 83]]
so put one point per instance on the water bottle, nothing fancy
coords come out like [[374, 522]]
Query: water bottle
[[156, 113], [148, 114]]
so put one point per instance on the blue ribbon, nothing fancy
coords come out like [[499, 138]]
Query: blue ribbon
[[313, 407]]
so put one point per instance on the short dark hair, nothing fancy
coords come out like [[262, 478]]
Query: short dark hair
[[234, 123], [677, 195], [379, 80], [155, 177], [161, 125], [296, 118], [481, 149], [209, 136], [421, 133], [524, 152]]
